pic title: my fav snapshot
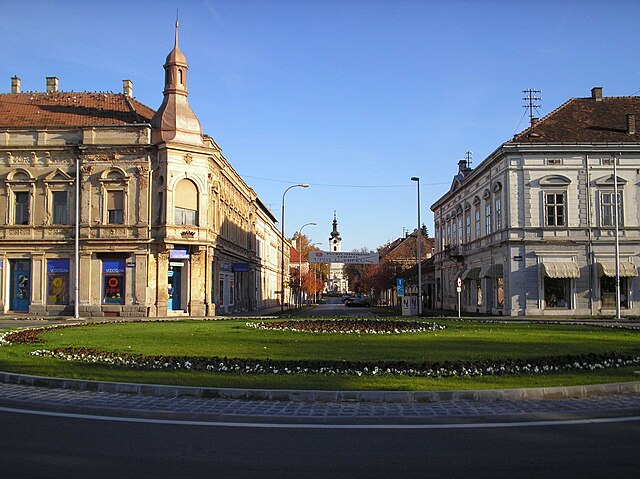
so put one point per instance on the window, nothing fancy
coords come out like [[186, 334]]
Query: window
[[478, 233], [58, 281], [607, 206], [454, 232], [555, 209], [608, 292], [113, 281], [487, 218], [21, 208], [500, 292], [186, 203], [498, 209], [460, 237], [115, 207], [557, 293], [59, 209], [468, 227]]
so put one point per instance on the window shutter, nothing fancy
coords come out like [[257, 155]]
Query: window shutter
[[186, 195]]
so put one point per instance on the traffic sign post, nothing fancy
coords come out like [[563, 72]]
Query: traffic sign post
[[459, 289]]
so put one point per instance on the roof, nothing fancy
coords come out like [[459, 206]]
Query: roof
[[585, 120], [71, 109], [295, 257]]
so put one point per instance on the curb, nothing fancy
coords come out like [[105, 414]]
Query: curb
[[481, 395]]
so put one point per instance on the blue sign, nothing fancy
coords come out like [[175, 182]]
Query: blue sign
[[57, 266], [400, 286], [240, 267], [178, 254], [110, 266]]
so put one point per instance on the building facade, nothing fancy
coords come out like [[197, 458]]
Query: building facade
[[133, 211], [532, 230], [336, 282]]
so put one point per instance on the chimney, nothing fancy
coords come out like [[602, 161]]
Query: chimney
[[534, 120], [127, 88], [15, 85], [52, 84], [596, 93], [631, 124]]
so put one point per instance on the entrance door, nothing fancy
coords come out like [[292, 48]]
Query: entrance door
[[175, 288], [20, 288]]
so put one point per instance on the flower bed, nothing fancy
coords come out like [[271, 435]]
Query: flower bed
[[381, 368], [348, 326]]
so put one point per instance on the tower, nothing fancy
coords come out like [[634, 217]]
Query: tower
[[336, 281]]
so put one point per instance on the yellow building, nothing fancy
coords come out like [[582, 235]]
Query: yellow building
[[165, 226]]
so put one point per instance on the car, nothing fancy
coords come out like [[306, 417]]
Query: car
[[357, 302]]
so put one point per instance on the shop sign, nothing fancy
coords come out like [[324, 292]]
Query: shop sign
[[178, 254], [240, 267]]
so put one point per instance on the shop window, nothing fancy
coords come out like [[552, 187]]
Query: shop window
[[59, 208], [21, 208], [478, 293], [186, 203], [58, 281], [500, 292], [113, 281], [557, 293], [608, 292]]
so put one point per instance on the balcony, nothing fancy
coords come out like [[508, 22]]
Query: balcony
[[454, 252]]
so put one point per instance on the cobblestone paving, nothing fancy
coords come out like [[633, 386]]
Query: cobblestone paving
[[37, 397]]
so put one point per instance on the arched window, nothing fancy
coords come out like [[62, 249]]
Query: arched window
[[186, 203]]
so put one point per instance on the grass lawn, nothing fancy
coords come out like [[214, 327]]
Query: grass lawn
[[467, 341]]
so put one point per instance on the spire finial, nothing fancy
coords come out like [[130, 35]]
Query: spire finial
[[176, 41]]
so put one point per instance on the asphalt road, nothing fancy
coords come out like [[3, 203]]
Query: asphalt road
[[35, 446], [333, 307]]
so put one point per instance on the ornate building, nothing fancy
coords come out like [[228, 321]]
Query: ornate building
[[133, 212], [336, 282], [532, 231]]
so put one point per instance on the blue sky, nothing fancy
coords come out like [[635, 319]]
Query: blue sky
[[354, 97]]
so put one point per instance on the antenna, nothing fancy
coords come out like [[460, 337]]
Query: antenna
[[531, 98], [467, 156]]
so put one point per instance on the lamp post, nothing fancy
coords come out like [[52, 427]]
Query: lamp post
[[315, 274], [617, 233], [419, 238], [300, 262], [301, 185]]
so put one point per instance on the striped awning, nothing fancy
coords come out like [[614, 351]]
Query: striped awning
[[494, 271], [560, 269], [471, 273], [608, 268]]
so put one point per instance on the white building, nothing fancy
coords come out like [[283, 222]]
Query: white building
[[531, 230], [336, 282]]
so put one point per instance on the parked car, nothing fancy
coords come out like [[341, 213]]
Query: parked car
[[357, 302]]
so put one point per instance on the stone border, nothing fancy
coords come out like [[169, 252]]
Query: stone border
[[560, 392]]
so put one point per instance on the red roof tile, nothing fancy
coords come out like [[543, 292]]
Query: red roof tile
[[71, 109], [586, 120]]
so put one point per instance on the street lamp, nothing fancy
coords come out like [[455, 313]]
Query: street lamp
[[417, 180], [315, 274], [300, 261], [301, 185]]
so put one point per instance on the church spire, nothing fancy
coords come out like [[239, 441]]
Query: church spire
[[174, 120], [335, 233]]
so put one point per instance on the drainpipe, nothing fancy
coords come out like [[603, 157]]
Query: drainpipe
[[76, 308]]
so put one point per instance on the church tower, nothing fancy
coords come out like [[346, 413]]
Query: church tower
[[336, 281]]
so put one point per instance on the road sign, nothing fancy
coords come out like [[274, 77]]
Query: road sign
[[459, 282]]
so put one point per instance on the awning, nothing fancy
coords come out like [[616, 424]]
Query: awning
[[494, 271], [561, 269], [471, 273], [484, 270], [608, 268]]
